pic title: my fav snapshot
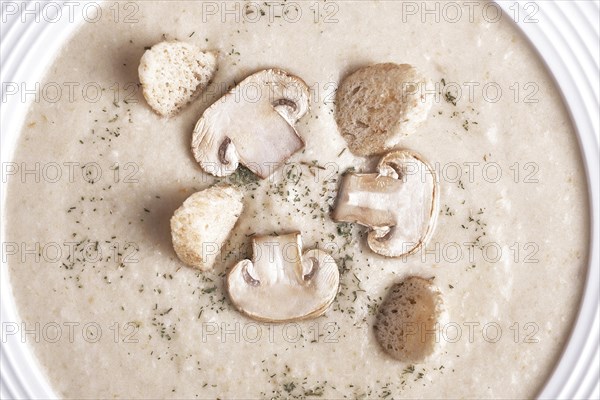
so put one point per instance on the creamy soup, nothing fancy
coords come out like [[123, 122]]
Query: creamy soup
[[508, 252]]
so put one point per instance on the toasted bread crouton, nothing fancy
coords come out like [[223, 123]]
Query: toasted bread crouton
[[173, 74], [408, 320], [202, 224], [378, 105]]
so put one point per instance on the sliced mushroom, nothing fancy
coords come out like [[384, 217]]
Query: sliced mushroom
[[399, 203], [408, 323], [281, 284], [252, 125]]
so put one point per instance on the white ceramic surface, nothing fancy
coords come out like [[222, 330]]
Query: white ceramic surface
[[566, 35]]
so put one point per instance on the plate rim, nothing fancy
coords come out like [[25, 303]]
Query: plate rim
[[570, 377]]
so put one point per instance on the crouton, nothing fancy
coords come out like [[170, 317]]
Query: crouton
[[408, 325], [378, 105], [173, 74], [202, 224]]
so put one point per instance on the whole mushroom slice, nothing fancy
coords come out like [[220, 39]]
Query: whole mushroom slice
[[281, 284], [399, 204], [408, 319], [253, 125]]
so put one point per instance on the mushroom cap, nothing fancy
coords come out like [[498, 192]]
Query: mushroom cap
[[417, 206], [196, 233], [281, 284], [252, 125], [399, 204], [408, 319]]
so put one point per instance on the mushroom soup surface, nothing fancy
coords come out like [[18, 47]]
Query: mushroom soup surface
[[508, 252]]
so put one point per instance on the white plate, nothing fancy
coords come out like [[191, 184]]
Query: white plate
[[566, 34]]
